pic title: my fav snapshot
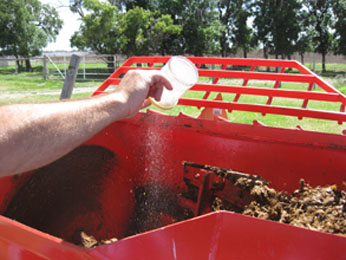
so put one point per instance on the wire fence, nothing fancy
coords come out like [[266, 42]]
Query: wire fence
[[91, 67], [99, 67], [11, 65]]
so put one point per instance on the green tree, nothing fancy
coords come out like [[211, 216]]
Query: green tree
[[106, 30], [305, 38], [143, 32], [263, 25], [277, 25], [339, 8], [171, 7], [134, 32], [225, 12], [240, 32], [200, 27], [26, 27], [304, 43], [127, 5], [175, 44], [320, 18], [163, 35], [99, 30]]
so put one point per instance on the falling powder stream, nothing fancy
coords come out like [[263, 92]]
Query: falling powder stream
[[155, 151], [157, 198]]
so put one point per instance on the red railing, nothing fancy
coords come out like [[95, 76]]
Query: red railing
[[254, 71]]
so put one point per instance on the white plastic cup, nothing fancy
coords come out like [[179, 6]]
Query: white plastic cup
[[182, 74]]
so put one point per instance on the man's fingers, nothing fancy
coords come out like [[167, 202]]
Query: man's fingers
[[161, 78], [158, 93], [152, 91], [158, 82], [146, 103], [156, 90]]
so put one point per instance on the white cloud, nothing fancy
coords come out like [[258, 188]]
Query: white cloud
[[71, 24]]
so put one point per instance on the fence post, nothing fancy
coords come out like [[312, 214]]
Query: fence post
[[314, 67], [84, 66], [70, 78], [65, 66], [45, 67], [115, 62]]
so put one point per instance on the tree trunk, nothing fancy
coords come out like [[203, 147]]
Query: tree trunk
[[19, 65], [28, 66], [324, 62], [110, 64], [302, 58], [244, 53], [265, 54], [276, 55], [223, 44]]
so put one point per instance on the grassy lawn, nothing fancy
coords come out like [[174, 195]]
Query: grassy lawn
[[268, 119], [31, 88]]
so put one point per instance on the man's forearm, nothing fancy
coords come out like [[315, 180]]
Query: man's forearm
[[32, 135]]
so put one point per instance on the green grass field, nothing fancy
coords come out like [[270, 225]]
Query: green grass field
[[268, 119], [32, 88]]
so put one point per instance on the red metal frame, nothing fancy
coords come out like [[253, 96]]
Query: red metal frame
[[210, 183], [301, 74]]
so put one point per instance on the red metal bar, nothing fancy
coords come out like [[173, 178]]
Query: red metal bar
[[305, 103], [215, 80], [242, 75], [284, 93], [227, 61], [288, 111], [342, 110], [301, 75], [236, 98], [246, 62], [258, 76], [277, 84]]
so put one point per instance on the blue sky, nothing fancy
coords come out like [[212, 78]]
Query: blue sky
[[71, 24]]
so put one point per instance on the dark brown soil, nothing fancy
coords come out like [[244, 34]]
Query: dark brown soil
[[319, 208]]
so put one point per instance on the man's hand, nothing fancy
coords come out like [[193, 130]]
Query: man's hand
[[138, 85]]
